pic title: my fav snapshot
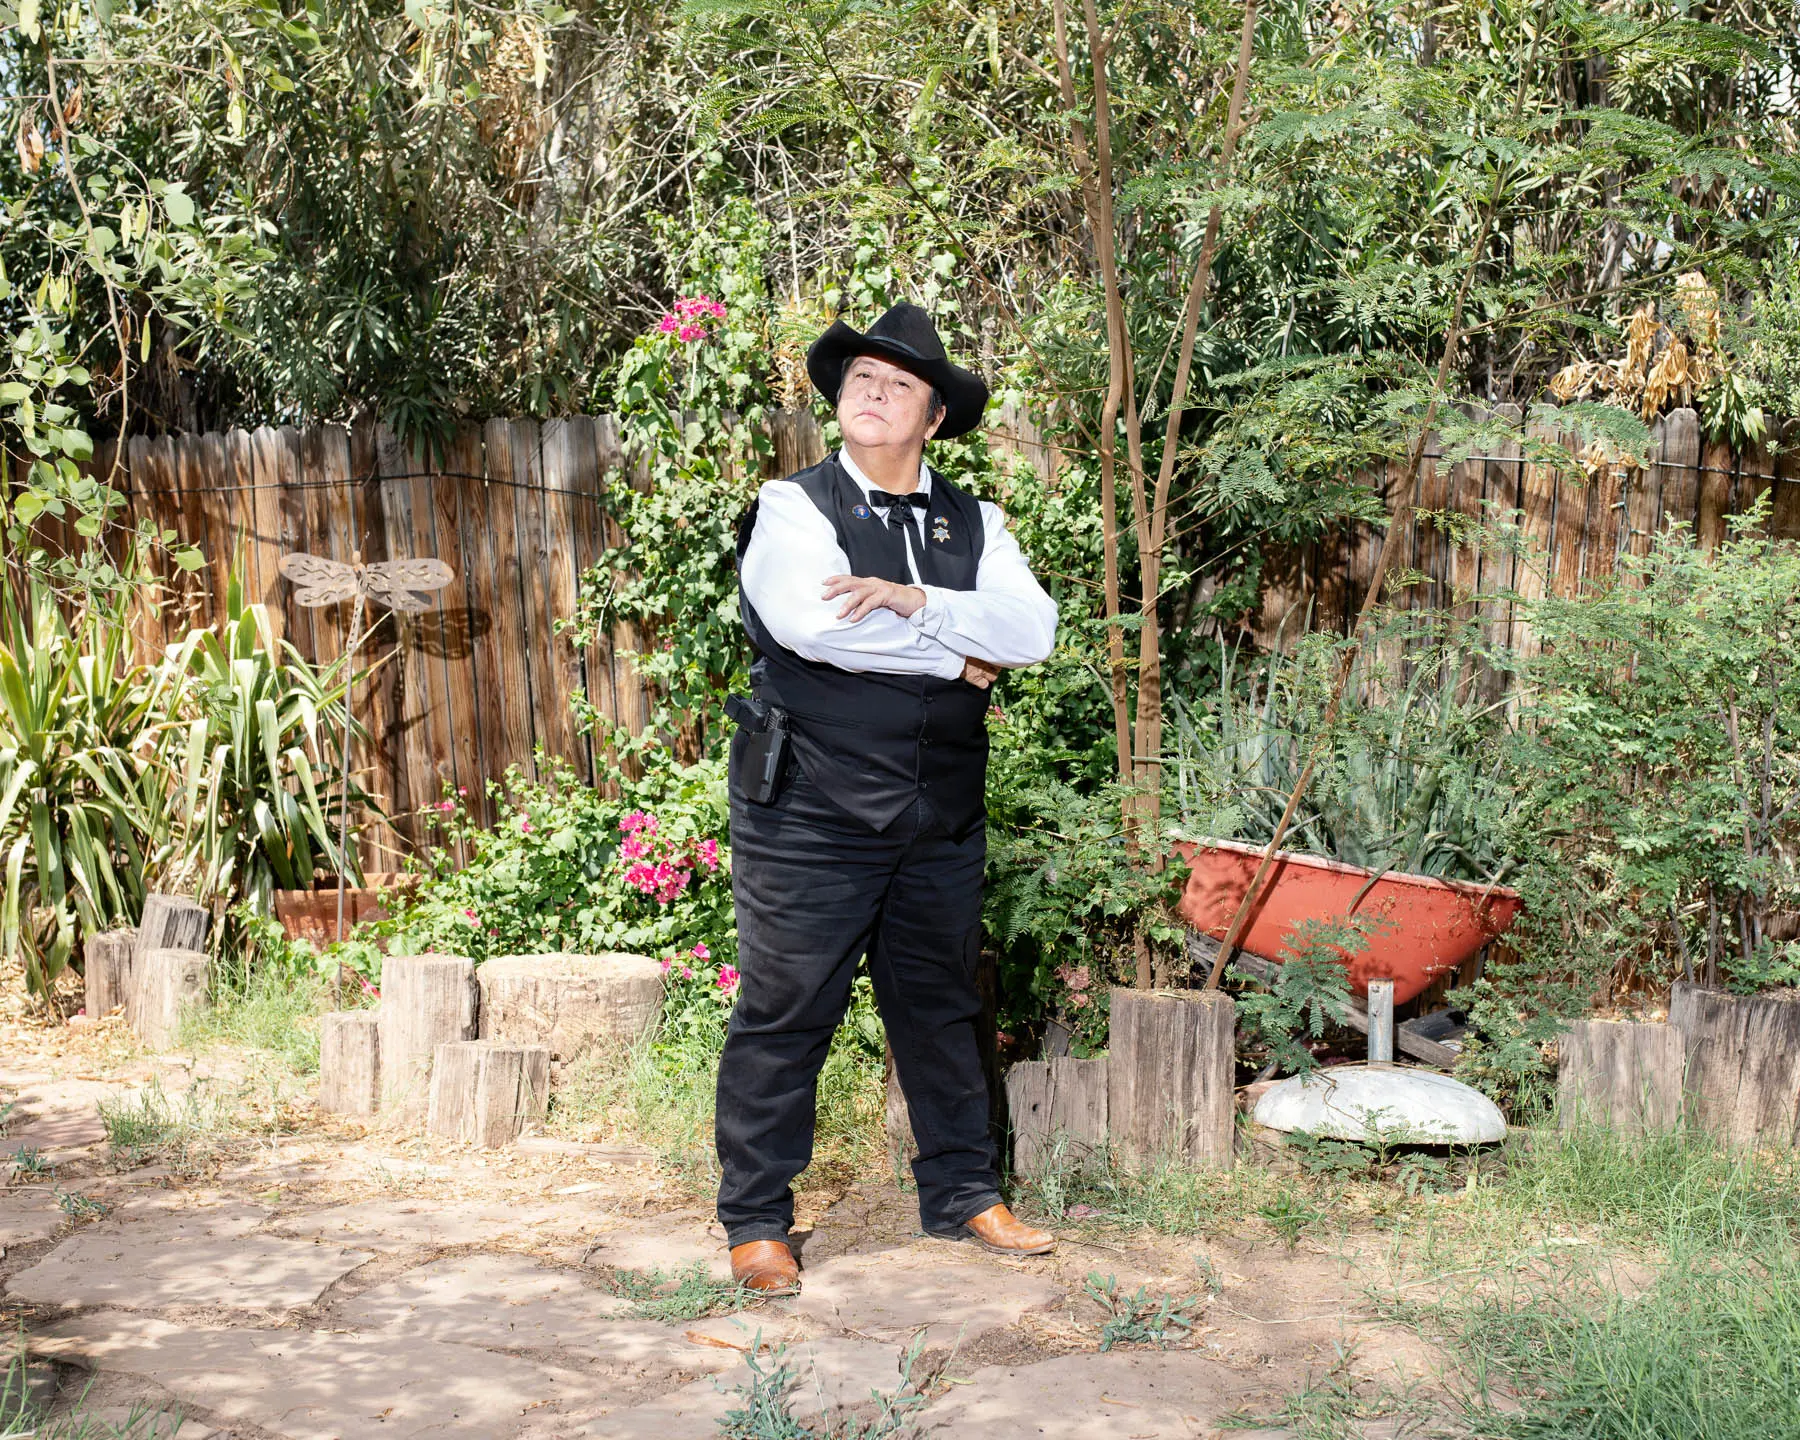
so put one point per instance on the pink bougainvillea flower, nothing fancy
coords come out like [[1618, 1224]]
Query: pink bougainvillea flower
[[446, 806], [667, 962], [471, 915], [633, 848], [524, 827], [717, 311], [667, 325], [638, 820], [996, 714], [701, 953], [368, 989], [686, 973], [462, 789], [709, 854], [691, 332], [728, 979]]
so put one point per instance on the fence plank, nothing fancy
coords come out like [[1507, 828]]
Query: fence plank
[[1713, 504], [1571, 523], [255, 456], [586, 480], [1678, 468], [567, 454], [1538, 501], [1786, 522], [508, 701], [456, 502], [549, 576]]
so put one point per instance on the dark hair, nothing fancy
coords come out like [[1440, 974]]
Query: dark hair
[[938, 405]]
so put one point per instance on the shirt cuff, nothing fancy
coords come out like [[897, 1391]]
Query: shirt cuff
[[929, 618]]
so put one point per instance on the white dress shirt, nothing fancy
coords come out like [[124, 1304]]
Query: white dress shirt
[[1007, 619]]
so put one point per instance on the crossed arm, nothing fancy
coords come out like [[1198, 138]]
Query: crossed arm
[[796, 575]]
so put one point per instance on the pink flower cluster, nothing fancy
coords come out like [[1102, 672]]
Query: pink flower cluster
[[686, 322], [726, 979], [656, 865]]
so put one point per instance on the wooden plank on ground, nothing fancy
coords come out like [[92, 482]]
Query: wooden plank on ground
[[1620, 1074], [1202, 949], [1743, 1064], [1172, 1074], [1058, 1109]]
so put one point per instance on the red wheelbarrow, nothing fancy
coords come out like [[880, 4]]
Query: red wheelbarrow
[[1427, 926]]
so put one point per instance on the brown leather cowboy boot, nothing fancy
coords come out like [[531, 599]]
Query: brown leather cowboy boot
[[999, 1230], [767, 1266]]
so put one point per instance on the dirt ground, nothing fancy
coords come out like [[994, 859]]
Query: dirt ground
[[290, 1275]]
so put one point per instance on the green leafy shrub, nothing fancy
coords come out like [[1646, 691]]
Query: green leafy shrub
[[634, 864], [1656, 771]]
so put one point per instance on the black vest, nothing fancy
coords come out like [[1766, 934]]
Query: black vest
[[875, 743]]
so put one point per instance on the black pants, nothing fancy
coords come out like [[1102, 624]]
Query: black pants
[[816, 889]]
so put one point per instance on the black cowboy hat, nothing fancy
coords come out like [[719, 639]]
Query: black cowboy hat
[[906, 337]]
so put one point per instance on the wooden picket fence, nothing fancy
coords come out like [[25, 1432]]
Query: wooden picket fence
[[519, 509], [1577, 526]]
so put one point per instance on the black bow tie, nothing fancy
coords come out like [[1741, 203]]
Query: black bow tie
[[891, 505]]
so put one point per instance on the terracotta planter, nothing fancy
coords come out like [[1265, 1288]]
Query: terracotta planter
[[312, 914], [1430, 925]]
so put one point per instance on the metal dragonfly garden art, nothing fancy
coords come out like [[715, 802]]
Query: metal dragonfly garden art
[[406, 586]]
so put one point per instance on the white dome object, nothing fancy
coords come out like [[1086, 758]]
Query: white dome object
[[1388, 1104]]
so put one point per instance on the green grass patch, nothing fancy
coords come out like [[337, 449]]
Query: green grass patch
[[673, 1297], [1711, 1350], [661, 1093], [268, 1009]]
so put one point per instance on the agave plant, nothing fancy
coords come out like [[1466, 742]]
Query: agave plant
[[1407, 778], [205, 773], [79, 776], [250, 767]]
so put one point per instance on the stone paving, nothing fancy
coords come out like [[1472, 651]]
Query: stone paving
[[345, 1285]]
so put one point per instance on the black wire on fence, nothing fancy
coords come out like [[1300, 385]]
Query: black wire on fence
[[543, 489]]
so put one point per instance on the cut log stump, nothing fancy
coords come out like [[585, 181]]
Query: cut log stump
[[1619, 1074], [350, 1062], [1059, 1111], [1172, 1075], [106, 970], [426, 1001], [483, 1092], [165, 983], [172, 922], [570, 1003], [1743, 1064]]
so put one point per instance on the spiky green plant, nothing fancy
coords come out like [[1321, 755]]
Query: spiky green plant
[[1408, 777]]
